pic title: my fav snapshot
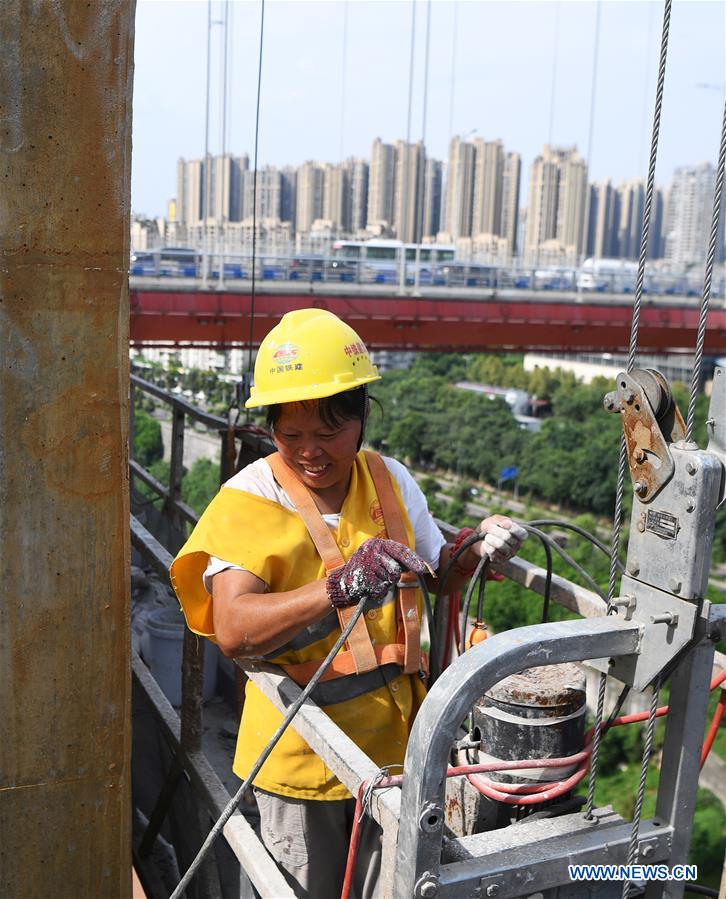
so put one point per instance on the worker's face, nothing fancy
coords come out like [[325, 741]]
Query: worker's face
[[322, 456]]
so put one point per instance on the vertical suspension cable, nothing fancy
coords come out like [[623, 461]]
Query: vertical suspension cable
[[593, 83], [421, 180], [707, 278], [223, 131], [622, 459], [553, 85], [646, 86], [410, 70], [453, 70], [205, 168], [406, 152], [254, 188], [426, 72], [343, 74]]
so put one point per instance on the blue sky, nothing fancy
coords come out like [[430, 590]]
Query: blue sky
[[508, 56]]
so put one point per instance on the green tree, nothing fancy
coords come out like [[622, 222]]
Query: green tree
[[148, 442], [200, 484]]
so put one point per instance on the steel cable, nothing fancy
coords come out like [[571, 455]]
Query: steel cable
[[291, 712], [254, 187], [647, 751], [635, 322], [708, 277]]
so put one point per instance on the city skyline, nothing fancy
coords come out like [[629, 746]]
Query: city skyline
[[508, 83], [399, 193]]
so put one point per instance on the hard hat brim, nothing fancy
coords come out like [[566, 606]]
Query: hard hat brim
[[303, 394]]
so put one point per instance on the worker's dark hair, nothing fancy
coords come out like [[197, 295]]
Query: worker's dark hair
[[333, 410]]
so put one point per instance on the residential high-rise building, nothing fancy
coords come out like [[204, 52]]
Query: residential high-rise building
[[288, 194], [601, 238], [359, 170], [558, 194], [688, 217], [408, 191], [336, 196], [631, 203], [656, 240], [510, 200], [213, 190], [432, 198], [309, 204], [380, 184], [459, 189], [572, 205], [189, 191], [225, 186], [269, 194], [488, 178]]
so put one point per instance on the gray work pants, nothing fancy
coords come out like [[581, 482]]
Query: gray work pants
[[309, 840]]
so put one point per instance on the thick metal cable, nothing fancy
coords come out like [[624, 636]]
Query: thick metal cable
[[291, 712], [647, 751], [635, 322], [708, 277], [206, 179], [254, 186], [221, 233], [344, 68], [406, 161], [553, 85], [452, 84], [593, 84], [410, 71]]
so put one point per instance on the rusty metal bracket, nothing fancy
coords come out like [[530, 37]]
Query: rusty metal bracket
[[651, 422]]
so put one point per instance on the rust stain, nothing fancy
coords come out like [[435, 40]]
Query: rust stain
[[86, 440], [548, 687]]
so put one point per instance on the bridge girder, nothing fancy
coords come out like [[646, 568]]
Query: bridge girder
[[426, 323]]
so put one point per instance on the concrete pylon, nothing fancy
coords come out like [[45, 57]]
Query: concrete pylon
[[65, 158]]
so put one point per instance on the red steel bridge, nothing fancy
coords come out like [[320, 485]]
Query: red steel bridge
[[467, 320]]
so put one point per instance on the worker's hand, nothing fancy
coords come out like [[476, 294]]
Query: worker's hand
[[503, 538], [371, 571]]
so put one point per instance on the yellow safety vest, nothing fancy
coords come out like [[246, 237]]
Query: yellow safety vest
[[374, 707]]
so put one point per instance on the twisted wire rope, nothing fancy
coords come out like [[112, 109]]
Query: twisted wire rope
[[638, 811], [635, 323], [707, 279]]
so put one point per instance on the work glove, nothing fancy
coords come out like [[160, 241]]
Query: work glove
[[503, 538], [371, 571]]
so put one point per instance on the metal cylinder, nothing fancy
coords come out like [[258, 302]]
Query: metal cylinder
[[536, 714]]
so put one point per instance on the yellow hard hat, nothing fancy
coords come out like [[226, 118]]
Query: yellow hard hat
[[309, 355]]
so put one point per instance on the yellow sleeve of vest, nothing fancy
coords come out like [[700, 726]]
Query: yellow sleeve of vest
[[241, 528]]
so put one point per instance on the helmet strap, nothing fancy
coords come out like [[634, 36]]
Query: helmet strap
[[363, 416]]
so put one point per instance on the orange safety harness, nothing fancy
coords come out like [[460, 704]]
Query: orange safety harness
[[360, 654]]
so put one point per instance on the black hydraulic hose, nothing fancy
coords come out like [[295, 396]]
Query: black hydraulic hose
[[568, 558], [555, 522], [291, 712], [476, 537], [700, 890], [544, 540]]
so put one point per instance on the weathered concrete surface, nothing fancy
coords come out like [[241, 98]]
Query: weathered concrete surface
[[65, 141]]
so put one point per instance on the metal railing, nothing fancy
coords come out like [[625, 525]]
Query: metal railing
[[308, 269], [183, 733]]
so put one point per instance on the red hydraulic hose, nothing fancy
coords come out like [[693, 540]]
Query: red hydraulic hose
[[523, 794], [713, 729]]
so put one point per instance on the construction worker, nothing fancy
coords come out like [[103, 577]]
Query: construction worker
[[278, 561]]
